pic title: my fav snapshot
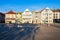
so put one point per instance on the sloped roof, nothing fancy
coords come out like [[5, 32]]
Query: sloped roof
[[18, 12], [2, 14], [47, 8], [56, 10], [41, 10], [10, 12], [27, 10], [35, 11], [44, 9]]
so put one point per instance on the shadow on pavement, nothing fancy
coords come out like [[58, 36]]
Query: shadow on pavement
[[12, 32]]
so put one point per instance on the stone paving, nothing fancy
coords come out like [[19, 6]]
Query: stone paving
[[30, 32], [48, 32]]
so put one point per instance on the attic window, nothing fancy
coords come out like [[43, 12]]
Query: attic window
[[47, 10], [27, 12]]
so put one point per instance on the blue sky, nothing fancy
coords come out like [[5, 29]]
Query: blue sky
[[21, 5]]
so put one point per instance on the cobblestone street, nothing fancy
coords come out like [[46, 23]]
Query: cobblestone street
[[30, 32], [46, 32]]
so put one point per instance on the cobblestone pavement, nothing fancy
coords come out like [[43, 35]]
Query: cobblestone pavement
[[13, 32], [30, 32], [48, 32]]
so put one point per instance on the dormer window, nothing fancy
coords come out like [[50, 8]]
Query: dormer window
[[47, 9], [27, 12]]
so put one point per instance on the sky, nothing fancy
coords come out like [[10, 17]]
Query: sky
[[21, 5]]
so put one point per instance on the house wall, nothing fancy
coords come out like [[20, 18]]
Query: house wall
[[26, 16], [18, 17], [10, 18], [46, 16], [56, 15], [36, 17]]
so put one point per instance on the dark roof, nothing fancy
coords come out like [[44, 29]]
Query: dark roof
[[41, 10], [10, 12], [44, 9], [2, 14], [56, 10]]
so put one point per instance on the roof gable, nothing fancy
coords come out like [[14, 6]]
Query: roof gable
[[10, 12], [44, 10], [56, 10]]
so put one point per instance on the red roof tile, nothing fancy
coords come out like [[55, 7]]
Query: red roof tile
[[10, 12]]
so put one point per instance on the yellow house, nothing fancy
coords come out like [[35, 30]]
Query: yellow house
[[10, 17], [19, 17]]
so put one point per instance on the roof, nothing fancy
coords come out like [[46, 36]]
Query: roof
[[2, 14], [44, 9], [10, 12], [41, 10], [18, 12], [56, 10], [35, 11], [27, 10]]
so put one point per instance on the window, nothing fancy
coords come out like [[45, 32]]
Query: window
[[47, 10], [46, 21], [49, 13], [46, 17], [59, 15], [44, 14], [36, 16], [50, 20], [27, 12], [11, 16], [36, 13], [56, 16]]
